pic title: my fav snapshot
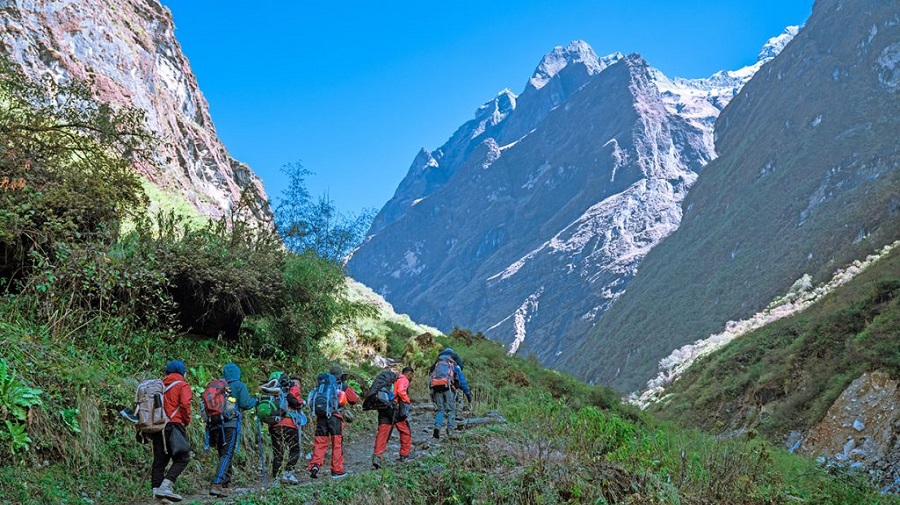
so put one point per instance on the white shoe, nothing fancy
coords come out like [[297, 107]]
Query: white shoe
[[289, 478], [165, 491]]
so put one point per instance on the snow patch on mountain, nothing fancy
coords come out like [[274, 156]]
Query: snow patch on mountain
[[800, 296], [524, 314]]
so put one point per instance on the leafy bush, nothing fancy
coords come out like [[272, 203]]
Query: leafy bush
[[66, 168]]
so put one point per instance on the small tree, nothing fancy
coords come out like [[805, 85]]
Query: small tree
[[316, 225]]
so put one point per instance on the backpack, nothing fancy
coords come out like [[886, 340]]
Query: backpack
[[273, 408], [381, 395], [216, 406], [323, 400], [442, 377], [149, 399]]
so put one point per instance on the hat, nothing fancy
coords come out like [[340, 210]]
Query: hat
[[175, 366], [337, 371], [276, 376]]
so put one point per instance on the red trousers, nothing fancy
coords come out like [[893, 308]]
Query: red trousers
[[328, 430], [384, 431]]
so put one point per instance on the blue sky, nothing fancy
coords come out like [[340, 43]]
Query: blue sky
[[354, 89]]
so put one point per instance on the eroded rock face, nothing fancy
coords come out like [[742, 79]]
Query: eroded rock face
[[861, 427], [128, 48]]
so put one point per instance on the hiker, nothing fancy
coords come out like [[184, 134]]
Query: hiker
[[170, 443], [326, 401], [394, 414], [223, 427], [446, 379], [284, 423]]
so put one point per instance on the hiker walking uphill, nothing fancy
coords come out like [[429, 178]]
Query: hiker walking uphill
[[393, 411], [282, 413], [222, 403], [446, 379], [162, 413], [326, 402]]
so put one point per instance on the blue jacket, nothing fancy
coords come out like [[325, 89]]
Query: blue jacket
[[461, 381], [239, 391]]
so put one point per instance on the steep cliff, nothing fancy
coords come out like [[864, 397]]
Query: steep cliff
[[806, 182], [128, 48]]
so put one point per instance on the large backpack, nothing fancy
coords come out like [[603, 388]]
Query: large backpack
[[216, 405], [442, 378], [380, 396], [150, 411], [324, 399]]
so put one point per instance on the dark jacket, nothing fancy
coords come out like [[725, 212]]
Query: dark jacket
[[239, 391]]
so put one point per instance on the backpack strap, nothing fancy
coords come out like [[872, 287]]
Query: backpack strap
[[164, 405]]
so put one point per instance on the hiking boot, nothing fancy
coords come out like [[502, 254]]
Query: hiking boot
[[452, 435], [129, 415], [288, 477], [218, 490], [314, 472], [376, 462], [404, 459], [165, 491], [339, 475], [436, 433]]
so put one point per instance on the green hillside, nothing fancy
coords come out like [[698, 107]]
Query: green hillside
[[784, 376]]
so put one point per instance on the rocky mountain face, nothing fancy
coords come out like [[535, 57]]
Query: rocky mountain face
[[128, 48], [806, 182], [534, 216]]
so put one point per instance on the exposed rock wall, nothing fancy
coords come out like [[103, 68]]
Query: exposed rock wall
[[128, 48]]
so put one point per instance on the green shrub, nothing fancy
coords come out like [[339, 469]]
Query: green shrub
[[66, 168]]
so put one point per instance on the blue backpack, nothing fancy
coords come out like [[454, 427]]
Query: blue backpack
[[323, 400]]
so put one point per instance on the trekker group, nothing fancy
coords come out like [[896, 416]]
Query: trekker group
[[162, 412]]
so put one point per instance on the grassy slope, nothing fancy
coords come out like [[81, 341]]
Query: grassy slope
[[566, 442], [797, 366]]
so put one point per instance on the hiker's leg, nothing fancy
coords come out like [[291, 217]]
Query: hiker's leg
[[179, 462], [320, 442], [226, 454], [440, 407], [450, 401], [336, 424], [384, 431], [292, 439], [160, 460], [277, 435], [405, 437]]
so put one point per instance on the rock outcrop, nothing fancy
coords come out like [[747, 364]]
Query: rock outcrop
[[128, 49], [862, 428]]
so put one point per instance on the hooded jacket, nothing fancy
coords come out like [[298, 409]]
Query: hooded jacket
[[177, 400], [239, 391]]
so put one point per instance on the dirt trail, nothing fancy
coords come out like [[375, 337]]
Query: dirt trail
[[359, 440]]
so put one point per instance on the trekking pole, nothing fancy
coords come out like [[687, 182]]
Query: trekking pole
[[262, 455]]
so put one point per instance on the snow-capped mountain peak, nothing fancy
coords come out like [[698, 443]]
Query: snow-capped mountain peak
[[577, 52], [776, 44]]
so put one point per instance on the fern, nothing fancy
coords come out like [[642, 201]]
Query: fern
[[15, 400]]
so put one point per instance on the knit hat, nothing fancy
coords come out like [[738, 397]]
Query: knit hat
[[337, 371], [175, 366]]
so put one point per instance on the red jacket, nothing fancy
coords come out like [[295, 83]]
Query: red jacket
[[401, 388], [177, 400], [287, 422]]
